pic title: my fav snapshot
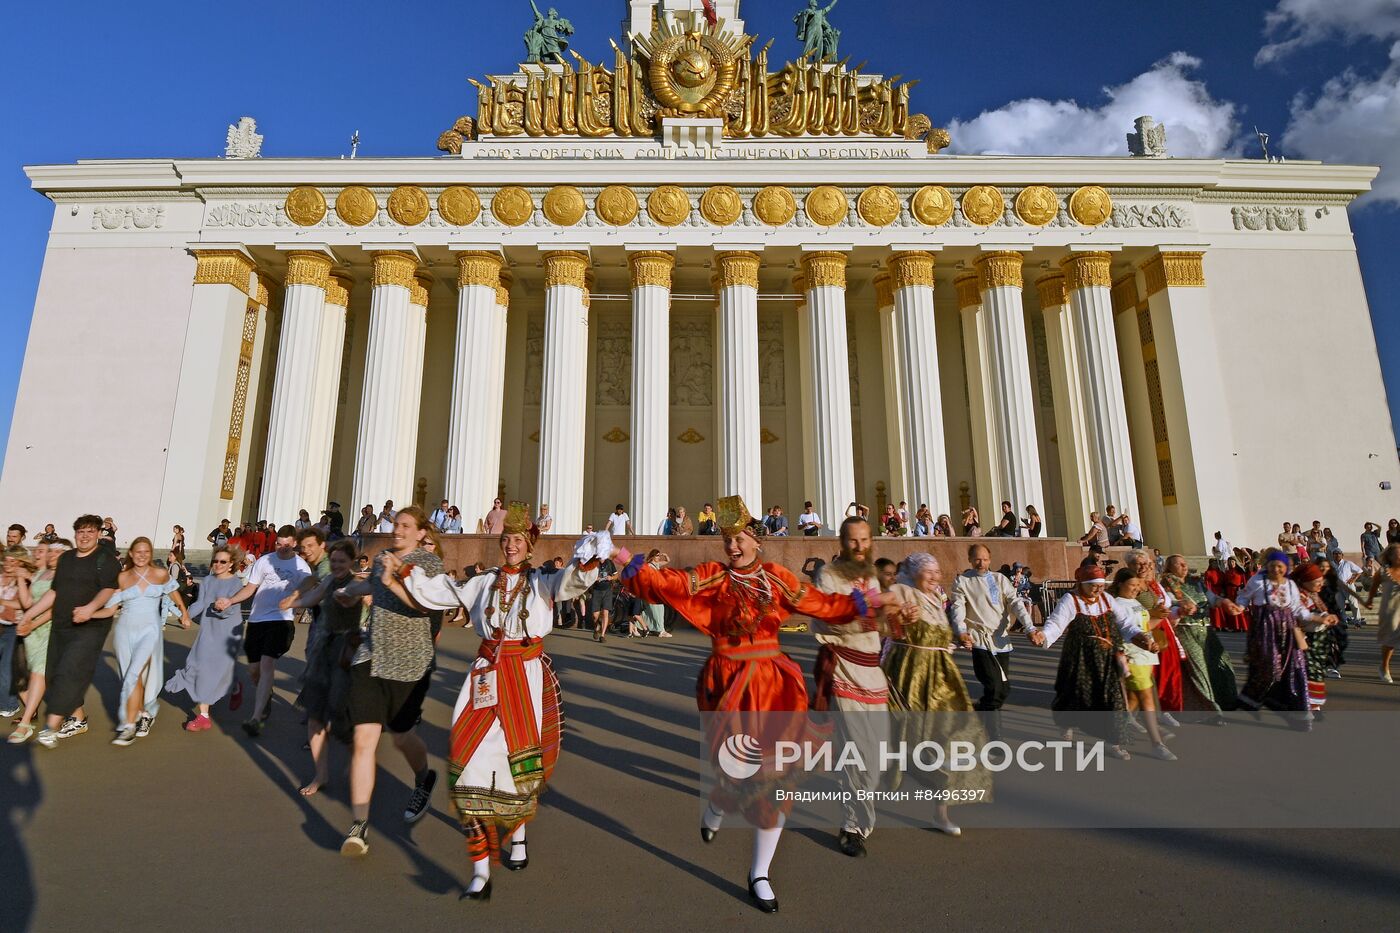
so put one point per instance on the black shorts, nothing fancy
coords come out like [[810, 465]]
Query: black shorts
[[395, 704], [267, 639]]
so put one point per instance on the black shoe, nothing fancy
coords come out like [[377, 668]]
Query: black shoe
[[355, 843], [852, 844], [422, 796], [514, 864], [483, 895], [253, 727], [767, 905], [707, 835]]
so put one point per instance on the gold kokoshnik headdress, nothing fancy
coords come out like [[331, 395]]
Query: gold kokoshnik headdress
[[519, 522], [733, 516]]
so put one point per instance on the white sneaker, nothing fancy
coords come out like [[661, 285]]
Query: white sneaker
[[947, 827], [1334, 673], [1386, 678], [125, 735], [1136, 726], [1167, 719], [47, 738], [1162, 753], [663, 634]]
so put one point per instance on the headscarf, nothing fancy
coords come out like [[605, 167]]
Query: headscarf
[[1307, 573], [914, 565], [1093, 573]]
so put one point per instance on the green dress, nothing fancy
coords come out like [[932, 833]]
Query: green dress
[[1209, 675], [924, 679]]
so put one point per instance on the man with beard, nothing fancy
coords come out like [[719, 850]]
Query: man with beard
[[849, 679], [984, 606]]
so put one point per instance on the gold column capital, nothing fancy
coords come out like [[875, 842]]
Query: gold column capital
[[503, 289], [338, 290], [651, 267], [394, 268], [479, 267], [264, 289], [1052, 290], [884, 291], [799, 285], [565, 267], [418, 291], [1124, 294], [588, 283], [824, 267], [223, 267], [1174, 270], [910, 269], [307, 268], [968, 289], [736, 267], [1087, 270], [999, 269]]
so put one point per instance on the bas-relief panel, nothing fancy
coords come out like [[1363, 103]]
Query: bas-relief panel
[[852, 363], [534, 361], [613, 373], [692, 362], [772, 370]]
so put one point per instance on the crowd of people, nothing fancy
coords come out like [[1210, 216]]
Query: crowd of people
[[1138, 635]]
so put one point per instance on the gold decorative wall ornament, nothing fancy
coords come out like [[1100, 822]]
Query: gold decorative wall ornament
[[983, 205], [1090, 206], [767, 437], [878, 205], [824, 267], [459, 206], [775, 205], [693, 72], [1174, 270], [356, 205], [503, 290], [479, 267], [911, 269], [229, 480], [305, 206], [969, 291], [564, 205], [305, 268], [616, 436], [668, 205], [651, 267], [408, 205], [263, 290], [1051, 289], [565, 268], [721, 205], [1083, 270], [223, 267], [827, 205], [1037, 205], [617, 205], [338, 290], [418, 292], [884, 290], [462, 130], [999, 270], [932, 206], [738, 267], [393, 268], [690, 436], [512, 205]]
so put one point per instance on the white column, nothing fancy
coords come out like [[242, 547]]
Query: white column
[[1009, 365], [413, 385], [804, 370], [378, 471], [833, 446], [326, 395], [1088, 280], [740, 443], [564, 391], [1071, 431], [920, 390], [294, 387], [986, 473], [496, 398], [894, 402], [651, 388], [477, 377]]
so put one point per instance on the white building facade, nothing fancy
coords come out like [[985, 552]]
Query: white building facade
[[618, 287]]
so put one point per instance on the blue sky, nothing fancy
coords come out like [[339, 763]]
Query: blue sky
[[158, 78]]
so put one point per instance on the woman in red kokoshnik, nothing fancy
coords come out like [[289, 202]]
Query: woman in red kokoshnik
[[505, 725], [740, 605]]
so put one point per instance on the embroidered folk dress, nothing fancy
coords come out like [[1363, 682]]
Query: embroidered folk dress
[[1088, 684], [1209, 680], [502, 754], [746, 672], [1277, 668]]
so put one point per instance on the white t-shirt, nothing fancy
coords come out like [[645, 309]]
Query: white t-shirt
[[808, 518], [275, 579], [617, 524]]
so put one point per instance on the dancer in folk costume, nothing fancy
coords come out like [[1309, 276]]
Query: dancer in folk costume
[[1276, 651], [1318, 632], [747, 678], [1209, 684], [506, 722]]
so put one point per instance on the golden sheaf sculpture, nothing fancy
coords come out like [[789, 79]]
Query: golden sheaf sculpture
[[932, 206], [459, 206], [721, 205], [775, 205], [564, 206], [408, 205], [356, 205], [617, 205], [305, 206], [512, 205]]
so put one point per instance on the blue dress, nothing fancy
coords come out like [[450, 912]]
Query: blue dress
[[213, 659], [138, 643]]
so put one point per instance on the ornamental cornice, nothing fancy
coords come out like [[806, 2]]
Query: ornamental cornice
[[393, 268], [1051, 289], [1000, 269], [478, 268], [651, 267], [911, 269], [565, 267], [1085, 270], [968, 289], [223, 267], [1174, 270], [824, 268], [737, 267], [304, 268]]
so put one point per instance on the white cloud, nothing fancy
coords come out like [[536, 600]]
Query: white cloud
[[1353, 120], [1197, 124], [1295, 24]]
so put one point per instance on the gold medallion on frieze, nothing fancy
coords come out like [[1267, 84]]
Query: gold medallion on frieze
[[1037, 205], [775, 205], [721, 205], [564, 206], [878, 205], [356, 205], [459, 206], [932, 206], [826, 205], [305, 206], [617, 205], [1090, 206], [983, 205], [512, 205], [408, 205], [668, 205]]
